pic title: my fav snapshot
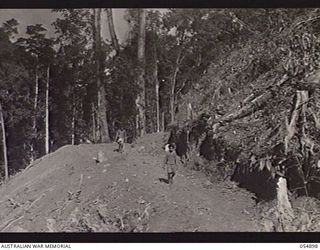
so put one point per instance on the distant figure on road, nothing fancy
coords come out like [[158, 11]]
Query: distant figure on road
[[121, 138], [166, 148], [170, 163]]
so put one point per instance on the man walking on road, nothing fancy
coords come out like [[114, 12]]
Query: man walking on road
[[170, 163], [121, 138]]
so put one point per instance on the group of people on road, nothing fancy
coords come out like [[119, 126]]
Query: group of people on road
[[170, 161]]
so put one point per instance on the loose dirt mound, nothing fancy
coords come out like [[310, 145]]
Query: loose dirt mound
[[68, 191]]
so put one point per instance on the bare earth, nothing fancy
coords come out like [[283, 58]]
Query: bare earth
[[68, 191]]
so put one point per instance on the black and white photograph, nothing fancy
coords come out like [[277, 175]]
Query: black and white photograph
[[159, 120]]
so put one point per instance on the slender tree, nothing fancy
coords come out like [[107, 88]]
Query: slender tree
[[4, 143], [156, 80], [140, 101], [176, 69], [47, 120], [73, 120], [35, 109]]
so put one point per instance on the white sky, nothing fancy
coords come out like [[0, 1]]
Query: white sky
[[44, 16]]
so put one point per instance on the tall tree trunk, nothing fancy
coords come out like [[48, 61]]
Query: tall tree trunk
[[47, 140], [114, 39], [173, 85], [94, 133], [36, 94], [4, 143], [73, 121], [189, 112], [102, 113], [121, 102], [102, 102], [155, 77], [35, 108], [141, 97], [158, 106], [172, 93], [162, 122], [95, 109]]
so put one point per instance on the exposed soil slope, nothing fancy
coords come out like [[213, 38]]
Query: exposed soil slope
[[68, 191]]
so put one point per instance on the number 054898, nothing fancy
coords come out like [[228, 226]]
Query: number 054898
[[308, 245]]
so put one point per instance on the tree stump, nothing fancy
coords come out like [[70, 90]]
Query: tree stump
[[285, 211]]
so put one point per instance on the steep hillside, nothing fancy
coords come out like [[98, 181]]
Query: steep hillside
[[278, 129], [68, 191]]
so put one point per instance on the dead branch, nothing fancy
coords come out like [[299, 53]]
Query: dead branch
[[14, 203], [76, 194], [242, 24], [291, 126], [306, 21], [36, 200], [145, 213], [248, 99], [80, 186], [81, 180], [8, 223], [304, 140], [181, 88], [121, 222], [316, 119], [34, 163], [300, 170]]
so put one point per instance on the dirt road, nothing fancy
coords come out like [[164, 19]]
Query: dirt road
[[68, 191]]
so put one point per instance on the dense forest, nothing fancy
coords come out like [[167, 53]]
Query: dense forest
[[79, 87]]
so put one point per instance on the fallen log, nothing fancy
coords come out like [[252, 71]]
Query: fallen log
[[251, 106], [291, 126]]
